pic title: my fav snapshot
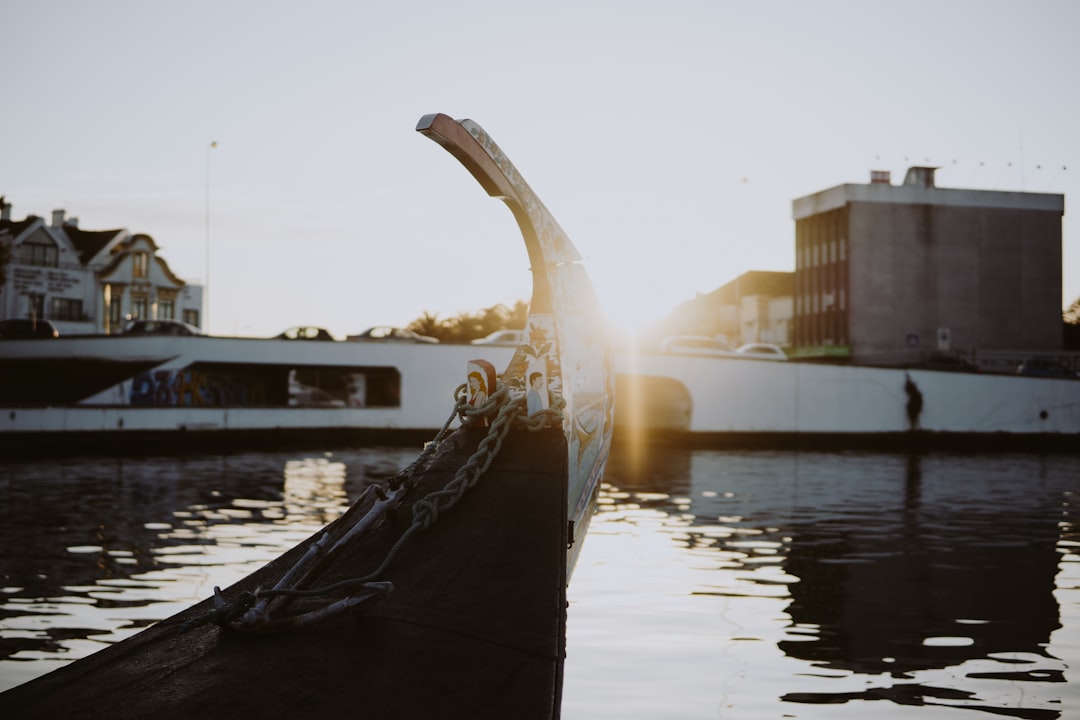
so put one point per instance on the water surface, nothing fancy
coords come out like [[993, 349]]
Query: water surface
[[93, 550], [711, 585], [841, 585]]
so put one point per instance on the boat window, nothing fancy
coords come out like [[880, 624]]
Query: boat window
[[238, 385]]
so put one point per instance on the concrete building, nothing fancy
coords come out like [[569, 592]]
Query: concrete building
[[88, 281], [890, 274], [756, 306]]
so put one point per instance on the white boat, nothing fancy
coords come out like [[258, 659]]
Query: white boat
[[734, 401], [148, 392], [105, 390]]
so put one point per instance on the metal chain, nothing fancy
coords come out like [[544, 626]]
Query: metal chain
[[507, 413]]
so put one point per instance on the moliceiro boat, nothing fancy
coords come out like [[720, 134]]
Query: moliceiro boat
[[441, 594]]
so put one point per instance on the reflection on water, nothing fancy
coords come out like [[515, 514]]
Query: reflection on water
[[93, 550], [727, 584], [711, 585]]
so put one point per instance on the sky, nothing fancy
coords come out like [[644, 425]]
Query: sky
[[668, 139]]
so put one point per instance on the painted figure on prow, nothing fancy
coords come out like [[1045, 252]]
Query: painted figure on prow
[[481, 383], [477, 389], [535, 399]]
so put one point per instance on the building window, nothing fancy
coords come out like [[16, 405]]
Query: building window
[[142, 265], [40, 250], [65, 309], [166, 310], [139, 307], [191, 317], [115, 312]]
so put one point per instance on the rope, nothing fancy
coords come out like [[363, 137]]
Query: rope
[[507, 413]]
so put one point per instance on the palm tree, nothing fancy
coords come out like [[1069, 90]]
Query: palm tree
[[1071, 326], [427, 324], [1072, 313], [467, 326]]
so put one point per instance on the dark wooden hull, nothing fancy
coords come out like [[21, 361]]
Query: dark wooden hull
[[474, 627]]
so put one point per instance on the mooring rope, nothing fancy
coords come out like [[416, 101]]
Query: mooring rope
[[250, 612]]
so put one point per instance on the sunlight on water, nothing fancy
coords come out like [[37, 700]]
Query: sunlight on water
[[827, 586]]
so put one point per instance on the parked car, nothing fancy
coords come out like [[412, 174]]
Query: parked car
[[694, 345], [510, 338], [27, 328], [762, 351], [385, 333], [1046, 367], [160, 327], [303, 332]]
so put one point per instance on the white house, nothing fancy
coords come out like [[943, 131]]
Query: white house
[[88, 281]]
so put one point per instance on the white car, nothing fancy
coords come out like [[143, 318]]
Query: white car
[[762, 351], [385, 333], [694, 345], [510, 338], [704, 345]]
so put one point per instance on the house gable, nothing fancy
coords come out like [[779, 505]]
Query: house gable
[[33, 231], [122, 265], [93, 246]]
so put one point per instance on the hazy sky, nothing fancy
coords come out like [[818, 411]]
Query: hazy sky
[[668, 138]]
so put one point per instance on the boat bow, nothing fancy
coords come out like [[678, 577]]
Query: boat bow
[[564, 340]]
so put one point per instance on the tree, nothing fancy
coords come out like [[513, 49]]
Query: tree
[[467, 326], [427, 324], [462, 328], [517, 315], [1072, 313], [1071, 326]]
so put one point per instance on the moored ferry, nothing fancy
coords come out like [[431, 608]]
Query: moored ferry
[[151, 392], [109, 390]]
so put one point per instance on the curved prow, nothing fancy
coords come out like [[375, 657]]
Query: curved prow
[[564, 350]]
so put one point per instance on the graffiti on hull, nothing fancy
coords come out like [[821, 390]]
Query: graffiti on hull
[[190, 388]]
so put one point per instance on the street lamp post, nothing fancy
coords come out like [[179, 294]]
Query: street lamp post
[[206, 285]]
